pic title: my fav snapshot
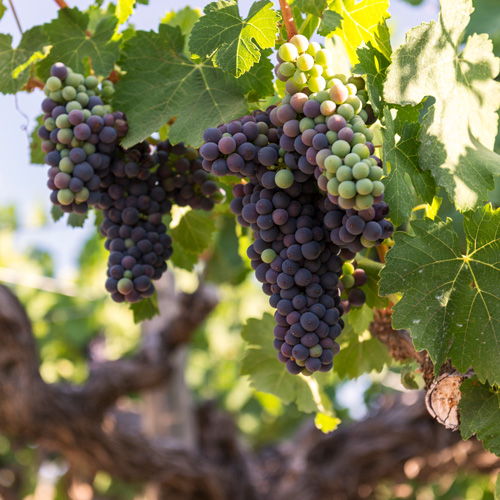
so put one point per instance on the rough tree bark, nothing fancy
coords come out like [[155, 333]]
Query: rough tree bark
[[400, 441]]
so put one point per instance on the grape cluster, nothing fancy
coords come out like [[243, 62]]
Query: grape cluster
[[133, 202], [78, 135], [353, 277], [182, 177], [298, 267]]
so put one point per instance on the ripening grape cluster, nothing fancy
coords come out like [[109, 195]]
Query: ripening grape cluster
[[79, 134], [312, 196]]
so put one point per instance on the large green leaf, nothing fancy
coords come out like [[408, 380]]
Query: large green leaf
[[451, 302], [2, 9], [185, 18], [194, 232], [15, 64], [402, 160], [72, 44], [363, 21], [267, 374], [314, 7], [145, 309], [161, 83], [373, 64], [479, 409], [329, 23], [124, 9], [372, 270], [484, 19], [233, 41], [459, 129]]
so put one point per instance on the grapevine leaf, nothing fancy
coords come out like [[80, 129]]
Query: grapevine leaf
[[258, 82], [402, 159], [233, 41], [306, 25], [161, 83], [450, 301], [329, 23], [359, 354], [56, 213], [479, 409], [145, 309], [185, 19], [484, 19], [2, 9], [124, 9], [360, 318], [194, 232], [372, 270], [459, 129], [71, 43], [267, 374], [182, 258], [15, 64], [326, 423], [37, 156], [77, 220], [363, 22], [497, 487], [373, 64], [314, 7]]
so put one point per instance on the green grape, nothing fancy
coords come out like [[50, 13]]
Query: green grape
[[284, 179], [66, 165], [376, 173], [125, 286], [341, 148], [361, 150], [316, 351], [91, 82], [327, 108], [347, 190], [73, 105], [305, 124], [358, 138], [329, 175], [313, 48], [341, 77], [107, 83], [56, 96], [348, 281], [316, 70], [300, 77], [300, 42], [369, 135], [268, 255], [82, 98], [90, 93], [321, 157], [286, 99], [368, 161], [305, 62], [359, 126], [319, 119], [281, 152], [373, 162], [72, 80], [328, 72], [355, 102], [358, 81], [362, 99], [333, 186], [360, 170], [81, 88], [345, 110], [344, 173], [287, 69], [98, 110], [65, 197], [364, 186], [88, 148], [351, 159], [338, 94], [322, 96], [316, 83], [332, 136], [129, 243], [333, 163], [288, 52], [346, 203], [347, 269], [107, 92], [82, 195], [65, 136], [128, 274], [378, 188], [366, 243], [300, 362], [363, 94], [62, 121], [351, 88], [75, 143], [324, 57], [364, 201], [68, 93], [53, 83], [46, 91], [363, 114], [50, 124], [60, 147], [64, 153]]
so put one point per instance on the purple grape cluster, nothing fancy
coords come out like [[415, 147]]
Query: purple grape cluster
[[185, 181], [133, 202], [79, 136]]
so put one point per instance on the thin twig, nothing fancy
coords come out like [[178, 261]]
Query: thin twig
[[286, 12], [62, 4], [15, 16]]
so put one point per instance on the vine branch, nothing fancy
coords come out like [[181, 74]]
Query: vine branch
[[62, 4], [15, 16], [286, 12]]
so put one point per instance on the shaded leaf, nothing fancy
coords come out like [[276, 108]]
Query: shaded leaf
[[77, 220], [56, 213], [329, 23], [372, 269], [182, 258], [194, 232], [145, 309], [360, 318], [450, 301], [314, 7]]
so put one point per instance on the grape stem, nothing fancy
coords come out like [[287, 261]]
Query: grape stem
[[286, 12], [62, 4], [15, 16], [33, 83]]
